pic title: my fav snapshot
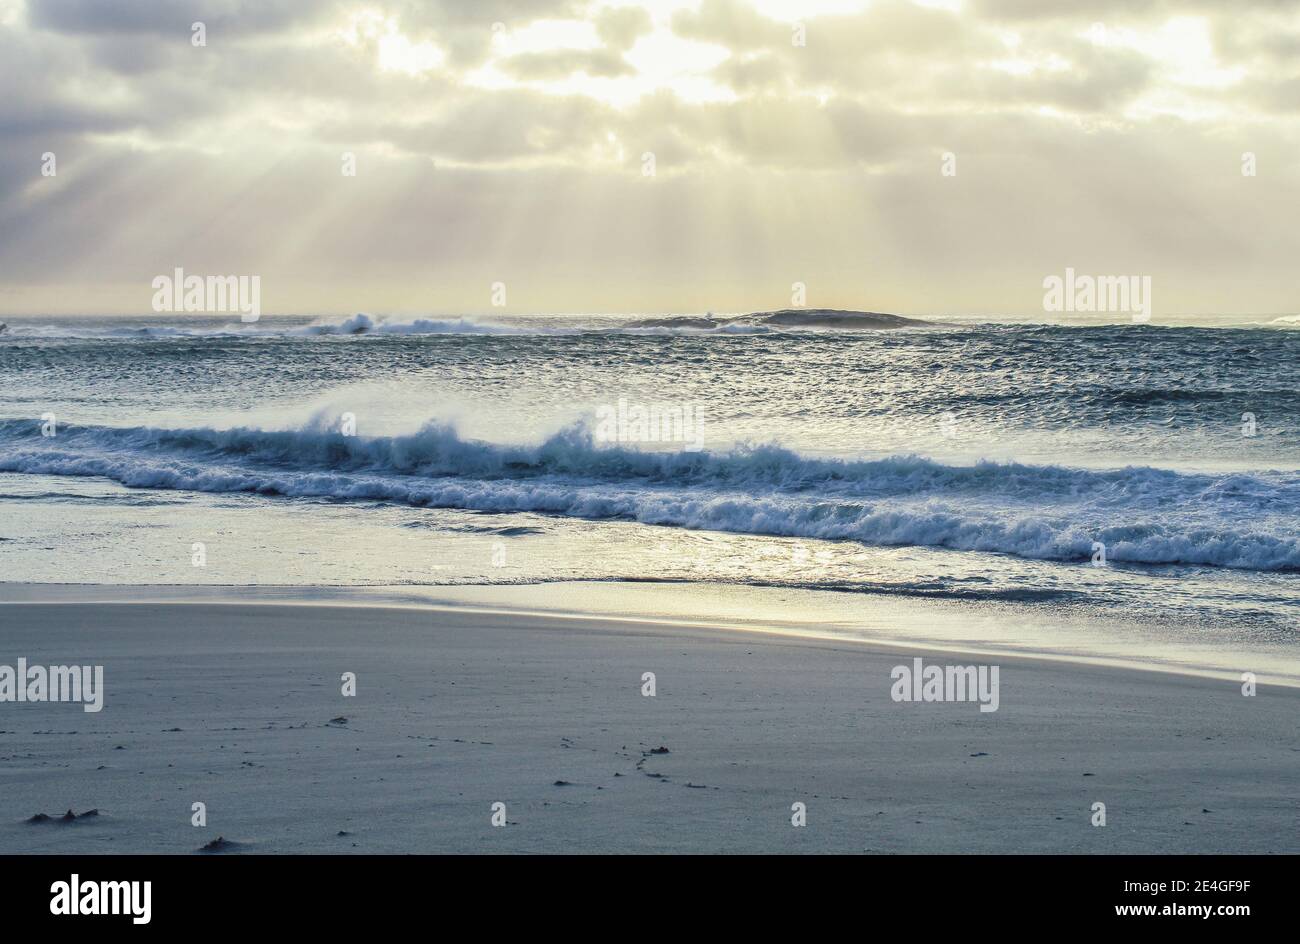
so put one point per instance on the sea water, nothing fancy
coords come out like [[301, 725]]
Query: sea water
[[1144, 470]]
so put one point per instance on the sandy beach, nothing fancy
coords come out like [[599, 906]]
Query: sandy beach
[[238, 706]]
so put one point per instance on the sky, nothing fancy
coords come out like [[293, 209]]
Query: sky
[[534, 156]]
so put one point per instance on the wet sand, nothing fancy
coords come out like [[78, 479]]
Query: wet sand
[[239, 707]]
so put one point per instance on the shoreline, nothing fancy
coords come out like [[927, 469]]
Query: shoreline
[[238, 706], [956, 626]]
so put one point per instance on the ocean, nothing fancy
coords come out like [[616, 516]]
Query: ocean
[[1146, 471]]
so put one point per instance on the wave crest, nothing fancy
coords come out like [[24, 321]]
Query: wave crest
[[1142, 515]]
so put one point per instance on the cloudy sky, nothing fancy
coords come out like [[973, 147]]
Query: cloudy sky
[[512, 141]]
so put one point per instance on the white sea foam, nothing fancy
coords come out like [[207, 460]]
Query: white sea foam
[[360, 324], [367, 325], [357, 326], [1143, 515]]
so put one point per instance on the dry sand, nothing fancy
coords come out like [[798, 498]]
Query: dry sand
[[231, 705]]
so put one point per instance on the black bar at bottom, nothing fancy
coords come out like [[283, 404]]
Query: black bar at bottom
[[1223, 893]]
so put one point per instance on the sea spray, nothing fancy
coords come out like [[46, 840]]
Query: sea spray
[[1142, 515]]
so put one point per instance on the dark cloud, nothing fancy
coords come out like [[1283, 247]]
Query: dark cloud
[[620, 27], [465, 29], [733, 23], [175, 17]]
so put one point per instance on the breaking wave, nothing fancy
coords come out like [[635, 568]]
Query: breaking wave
[[1142, 515], [364, 325]]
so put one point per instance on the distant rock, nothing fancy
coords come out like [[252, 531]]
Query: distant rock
[[836, 318], [683, 321], [68, 817], [759, 321]]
